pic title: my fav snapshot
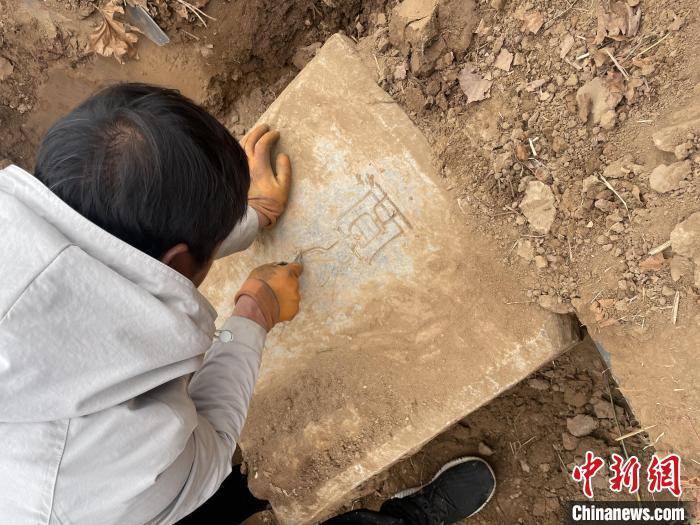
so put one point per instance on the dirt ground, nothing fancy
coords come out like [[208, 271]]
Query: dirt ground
[[524, 435], [507, 96]]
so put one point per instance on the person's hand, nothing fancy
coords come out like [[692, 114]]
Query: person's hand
[[275, 289], [269, 191]]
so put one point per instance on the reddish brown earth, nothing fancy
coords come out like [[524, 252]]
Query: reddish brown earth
[[580, 247]]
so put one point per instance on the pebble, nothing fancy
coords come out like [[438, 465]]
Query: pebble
[[570, 442], [540, 262], [484, 449], [581, 425], [603, 410]]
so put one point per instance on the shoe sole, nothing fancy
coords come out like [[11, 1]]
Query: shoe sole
[[447, 466]]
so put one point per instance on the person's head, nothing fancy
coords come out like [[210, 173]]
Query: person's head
[[152, 168]]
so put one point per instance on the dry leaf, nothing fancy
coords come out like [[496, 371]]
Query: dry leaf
[[631, 89], [600, 57], [646, 65], [653, 263], [504, 60], [521, 152], [597, 310], [617, 20], [599, 98], [114, 37], [474, 86], [566, 44], [532, 21]]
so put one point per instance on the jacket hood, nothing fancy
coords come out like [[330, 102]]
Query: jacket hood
[[86, 321]]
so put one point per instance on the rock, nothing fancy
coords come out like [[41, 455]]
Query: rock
[[498, 4], [603, 410], [597, 101], [683, 151], [445, 61], [303, 55], [591, 185], [571, 81], [400, 72], [457, 20], [668, 138], [540, 262], [559, 145], [550, 302], [685, 238], [667, 291], [581, 425], [484, 449], [6, 68], [525, 250], [524, 466], [665, 178], [539, 508], [413, 24], [424, 59], [382, 41], [504, 60], [619, 168], [538, 206], [473, 85], [575, 398], [415, 100], [538, 384], [532, 21], [680, 266], [570, 442]]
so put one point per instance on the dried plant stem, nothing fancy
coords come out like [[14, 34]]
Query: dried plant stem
[[197, 12]]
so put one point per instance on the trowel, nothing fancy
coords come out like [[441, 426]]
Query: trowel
[[140, 18]]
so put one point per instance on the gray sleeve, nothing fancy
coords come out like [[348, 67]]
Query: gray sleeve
[[222, 387], [221, 391], [242, 235]]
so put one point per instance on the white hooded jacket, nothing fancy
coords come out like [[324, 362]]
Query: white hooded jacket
[[101, 419]]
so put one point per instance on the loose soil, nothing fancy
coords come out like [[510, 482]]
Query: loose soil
[[581, 247]]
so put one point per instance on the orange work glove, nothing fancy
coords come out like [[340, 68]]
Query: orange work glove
[[268, 192], [275, 289]]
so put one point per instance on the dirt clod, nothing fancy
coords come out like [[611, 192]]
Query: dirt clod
[[665, 178], [538, 206], [581, 425]]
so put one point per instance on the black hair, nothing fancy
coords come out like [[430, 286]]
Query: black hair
[[149, 166]]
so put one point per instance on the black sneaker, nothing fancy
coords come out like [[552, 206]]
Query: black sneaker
[[460, 489]]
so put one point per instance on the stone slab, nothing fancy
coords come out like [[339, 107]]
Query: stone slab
[[404, 327]]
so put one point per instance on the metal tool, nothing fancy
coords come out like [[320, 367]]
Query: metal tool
[[141, 19], [297, 260]]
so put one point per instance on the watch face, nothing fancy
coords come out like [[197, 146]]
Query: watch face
[[224, 336]]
